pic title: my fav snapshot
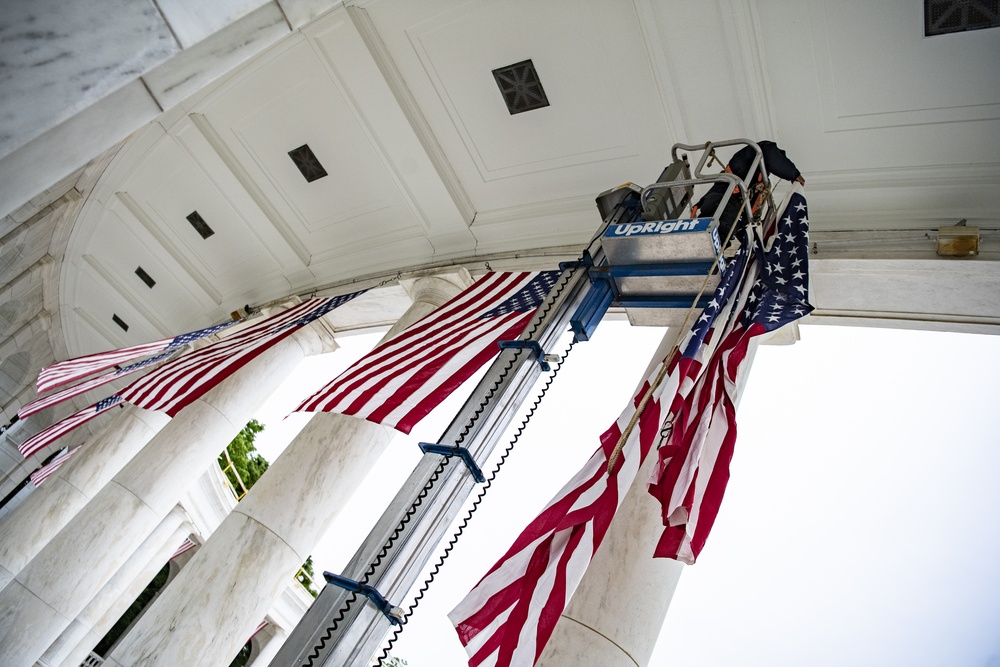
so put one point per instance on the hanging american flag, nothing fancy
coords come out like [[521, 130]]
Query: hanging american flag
[[509, 616], [185, 547], [49, 435], [403, 379], [177, 383], [75, 369], [693, 465], [49, 468], [511, 613], [49, 400], [260, 626]]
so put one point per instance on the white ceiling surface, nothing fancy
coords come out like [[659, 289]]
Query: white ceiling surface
[[396, 98]]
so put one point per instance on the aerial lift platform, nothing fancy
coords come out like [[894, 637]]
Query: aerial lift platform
[[647, 258], [655, 263]]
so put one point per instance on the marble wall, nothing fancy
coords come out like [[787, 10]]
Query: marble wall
[[79, 77]]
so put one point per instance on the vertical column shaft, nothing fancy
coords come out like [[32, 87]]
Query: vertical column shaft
[[48, 509], [617, 611], [119, 593], [58, 583], [230, 587]]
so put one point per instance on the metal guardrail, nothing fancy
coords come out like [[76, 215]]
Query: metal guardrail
[[231, 467]]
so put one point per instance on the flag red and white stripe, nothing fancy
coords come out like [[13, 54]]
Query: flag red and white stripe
[[72, 370], [509, 616], [693, 465], [52, 466], [177, 383], [55, 398], [185, 547], [403, 379], [181, 381], [511, 613], [260, 626], [47, 436]]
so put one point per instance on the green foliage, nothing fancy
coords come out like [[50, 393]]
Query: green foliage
[[391, 661], [243, 656], [306, 581], [249, 465]]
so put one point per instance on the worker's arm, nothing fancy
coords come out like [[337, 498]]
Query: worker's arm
[[777, 162]]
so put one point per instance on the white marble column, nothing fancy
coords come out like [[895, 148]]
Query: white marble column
[[49, 508], [119, 593], [228, 585], [269, 646], [617, 612], [68, 572]]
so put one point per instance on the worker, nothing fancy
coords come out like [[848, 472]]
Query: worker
[[777, 163]]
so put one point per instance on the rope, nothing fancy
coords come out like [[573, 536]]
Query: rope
[[475, 505], [328, 633], [665, 364]]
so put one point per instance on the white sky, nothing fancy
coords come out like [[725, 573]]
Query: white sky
[[861, 525]]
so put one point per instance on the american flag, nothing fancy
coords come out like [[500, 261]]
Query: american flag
[[49, 435], [72, 370], [509, 616], [177, 383], [260, 626], [185, 546], [693, 465], [43, 402], [403, 379], [49, 468], [181, 381]]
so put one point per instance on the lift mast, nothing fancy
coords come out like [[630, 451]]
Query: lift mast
[[639, 261]]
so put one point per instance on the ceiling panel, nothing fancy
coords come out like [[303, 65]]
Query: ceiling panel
[[118, 250], [168, 187], [290, 100], [883, 72], [605, 122]]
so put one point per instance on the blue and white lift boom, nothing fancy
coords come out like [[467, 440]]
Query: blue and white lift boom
[[645, 258]]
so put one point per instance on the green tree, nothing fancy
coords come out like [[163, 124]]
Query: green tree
[[310, 575], [248, 463]]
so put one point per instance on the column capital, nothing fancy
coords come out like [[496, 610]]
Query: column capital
[[431, 284], [319, 340]]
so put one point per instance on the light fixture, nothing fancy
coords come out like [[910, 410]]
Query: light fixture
[[958, 240]]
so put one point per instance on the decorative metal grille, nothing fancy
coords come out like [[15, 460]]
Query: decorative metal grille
[[120, 322], [200, 225], [521, 89], [145, 277], [308, 164], [944, 16]]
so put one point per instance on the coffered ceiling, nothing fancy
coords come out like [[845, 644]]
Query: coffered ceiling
[[426, 166]]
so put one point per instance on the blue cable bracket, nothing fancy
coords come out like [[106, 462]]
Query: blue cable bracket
[[460, 452], [394, 614], [543, 359]]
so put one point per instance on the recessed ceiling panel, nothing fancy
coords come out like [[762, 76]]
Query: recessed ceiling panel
[[883, 71], [166, 190], [583, 121], [119, 249], [290, 101]]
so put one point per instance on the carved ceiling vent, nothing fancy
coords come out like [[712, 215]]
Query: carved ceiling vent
[[200, 225], [308, 163], [944, 16], [521, 89], [145, 277]]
